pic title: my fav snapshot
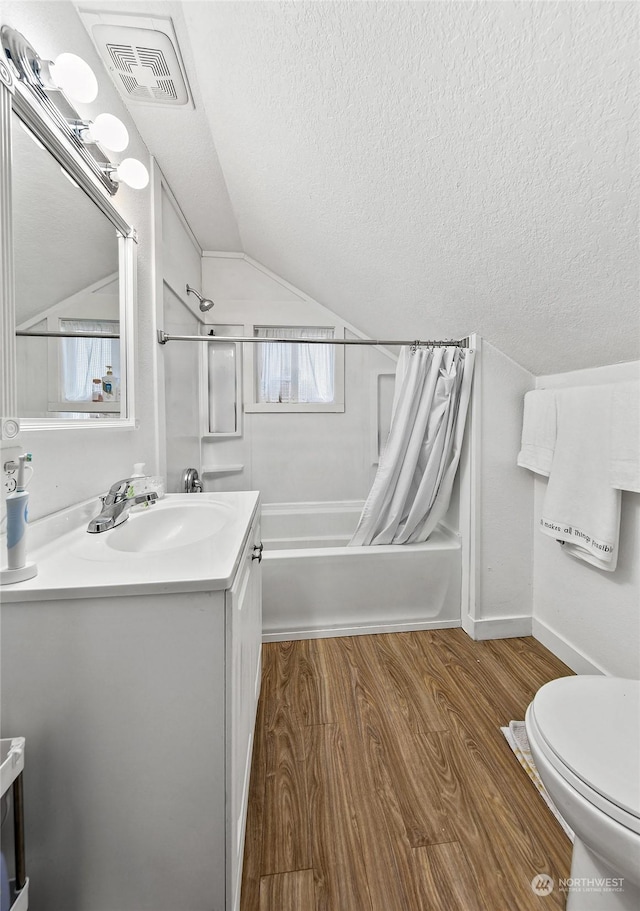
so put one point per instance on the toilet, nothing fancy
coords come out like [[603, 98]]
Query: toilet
[[584, 734]]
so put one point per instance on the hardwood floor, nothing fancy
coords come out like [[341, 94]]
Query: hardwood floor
[[381, 780]]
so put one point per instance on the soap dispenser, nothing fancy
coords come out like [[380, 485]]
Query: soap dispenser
[[137, 486], [108, 386], [141, 483]]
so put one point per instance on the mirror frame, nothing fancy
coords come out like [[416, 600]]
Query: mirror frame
[[17, 98]]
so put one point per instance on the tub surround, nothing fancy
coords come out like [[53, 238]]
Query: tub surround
[[178, 263], [496, 517]]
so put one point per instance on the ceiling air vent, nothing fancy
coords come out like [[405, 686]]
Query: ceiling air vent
[[142, 56]]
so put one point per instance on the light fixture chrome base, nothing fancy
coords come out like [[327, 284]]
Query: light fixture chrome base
[[36, 95], [21, 55]]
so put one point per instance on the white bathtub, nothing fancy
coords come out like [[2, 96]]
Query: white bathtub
[[314, 585]]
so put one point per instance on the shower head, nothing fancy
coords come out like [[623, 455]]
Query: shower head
[[205, 303]]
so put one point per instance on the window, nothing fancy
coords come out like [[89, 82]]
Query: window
[[293, 374], [297, 377], [83, 359]]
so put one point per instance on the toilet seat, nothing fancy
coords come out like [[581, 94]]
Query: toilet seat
[[588, 728]]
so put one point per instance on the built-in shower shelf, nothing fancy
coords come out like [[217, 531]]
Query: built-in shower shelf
[[222, 469]]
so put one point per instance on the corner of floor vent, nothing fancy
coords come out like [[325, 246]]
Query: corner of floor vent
[[141, 55]]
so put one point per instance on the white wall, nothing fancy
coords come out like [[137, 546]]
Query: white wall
[[292, 457], [73, 465], [590, 618], [501, 495]]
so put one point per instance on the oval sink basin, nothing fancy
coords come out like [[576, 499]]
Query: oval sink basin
[[166, 526], [184, 542]]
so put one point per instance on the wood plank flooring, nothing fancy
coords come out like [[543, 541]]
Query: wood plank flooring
[[381, 780]]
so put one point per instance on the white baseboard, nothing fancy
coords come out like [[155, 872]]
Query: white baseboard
[[576, 659], [497, 627], [332, 632]]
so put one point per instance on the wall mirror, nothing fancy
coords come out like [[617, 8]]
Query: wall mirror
[[72, 293]]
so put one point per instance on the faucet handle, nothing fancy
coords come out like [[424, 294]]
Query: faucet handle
[[150, 497], [118, 491], [119, 485], [138, 485]]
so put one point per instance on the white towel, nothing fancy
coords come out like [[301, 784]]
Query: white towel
[[538, 431], [625, 436], [581, 507]]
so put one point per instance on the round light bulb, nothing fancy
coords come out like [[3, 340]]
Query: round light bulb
[[109, 132], [75, 78], [133, 173]]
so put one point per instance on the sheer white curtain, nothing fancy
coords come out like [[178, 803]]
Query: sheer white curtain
[[86, 358], [295, 373], [412, 487]]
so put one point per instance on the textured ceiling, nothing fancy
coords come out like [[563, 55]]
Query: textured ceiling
[[423, 169]]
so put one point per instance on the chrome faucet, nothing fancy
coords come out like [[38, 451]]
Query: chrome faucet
[[190, 482], [116, 505]]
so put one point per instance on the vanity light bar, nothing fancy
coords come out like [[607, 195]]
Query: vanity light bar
[[49, 113], [164, 337], [37, 94]]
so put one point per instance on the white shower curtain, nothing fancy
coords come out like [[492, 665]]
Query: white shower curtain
[[412, 488]]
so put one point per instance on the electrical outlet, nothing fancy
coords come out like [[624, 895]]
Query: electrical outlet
[[9, 455]]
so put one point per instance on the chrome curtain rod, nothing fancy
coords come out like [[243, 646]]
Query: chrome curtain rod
[[164, 337]]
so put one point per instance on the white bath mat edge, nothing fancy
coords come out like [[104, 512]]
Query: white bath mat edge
[[516, 737]]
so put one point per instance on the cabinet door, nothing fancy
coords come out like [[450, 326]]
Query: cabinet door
[[243, 650]]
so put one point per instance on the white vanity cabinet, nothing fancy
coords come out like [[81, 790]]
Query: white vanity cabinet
[[139, 710], [243, 610]]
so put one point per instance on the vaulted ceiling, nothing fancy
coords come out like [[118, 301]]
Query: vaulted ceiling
[[423, 169]]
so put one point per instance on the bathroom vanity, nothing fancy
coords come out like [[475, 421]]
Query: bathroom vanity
[[132, 667]]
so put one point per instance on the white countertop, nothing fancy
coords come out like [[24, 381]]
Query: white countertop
[[74, 564]]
